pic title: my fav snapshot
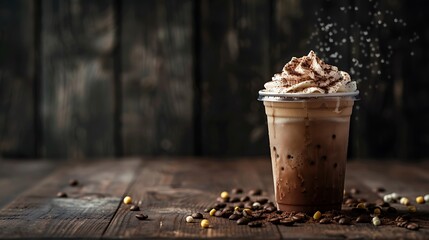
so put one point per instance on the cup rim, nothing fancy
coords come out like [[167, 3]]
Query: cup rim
[[264, 95]]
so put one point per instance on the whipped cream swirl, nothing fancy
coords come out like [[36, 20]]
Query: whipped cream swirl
[[309, 74]]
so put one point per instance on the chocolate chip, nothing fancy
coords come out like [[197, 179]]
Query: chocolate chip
[[237, 191], [413, 226], [363, 219], [255, 192], [255, 224], [73, 182], [197, 216], [134, 208], [62, 195], [243, 221], [141, 216]]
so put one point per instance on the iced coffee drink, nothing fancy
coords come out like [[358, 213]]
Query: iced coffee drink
[[308, 107]]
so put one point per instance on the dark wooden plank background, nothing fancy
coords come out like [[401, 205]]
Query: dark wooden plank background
[[83, 79]]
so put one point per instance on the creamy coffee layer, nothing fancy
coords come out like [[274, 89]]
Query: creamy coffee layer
[[309, 74]]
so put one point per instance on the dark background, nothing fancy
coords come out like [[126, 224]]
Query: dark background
[[87, 79]]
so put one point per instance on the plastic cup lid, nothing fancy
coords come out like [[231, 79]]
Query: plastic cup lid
[[288, 97]]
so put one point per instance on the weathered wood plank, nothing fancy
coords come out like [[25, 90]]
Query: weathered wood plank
[[77, 102], [17, 134], [172, 189], [17, 176], [86, 212], [157, 77], [234, 67]]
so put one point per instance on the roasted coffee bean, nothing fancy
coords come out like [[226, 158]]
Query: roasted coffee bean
[[207, 210], [219, 205], [298, 218], [270, 209], [402, 224], [275, 220], [362, 200], [248, 205], [262, 201], [247, 212], [73, 182], [255, 192], [325, 221], [229, 208], [391, 210], [413, 226], [256, 206], [351, 202], [197, 215], [62, 195], [379, 189], [240, 205], [255, 224], [218, 213], [344, 221], [369, 205], [134, 208], [358, 210], [243, 221], [380, 202], [226, 213], [244, 199], [336, 218], [363, 219], [403, 218], [237, 191], [141, 216], [287, 222], [234, 217], [234, 200], [278, 211], [222, 200]]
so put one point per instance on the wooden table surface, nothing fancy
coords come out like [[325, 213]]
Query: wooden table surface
[[170, 189]]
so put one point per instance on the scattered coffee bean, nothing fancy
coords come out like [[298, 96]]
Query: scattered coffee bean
[[363, 219], [337, 218], [219, 205], [234, 200], [262, 201], [234, 216], [128, 200], [226, 213], [275, 220], [402, 224], [391, 210], [243, 221], [205, 223], [218, 213], [141, 216], [403, 218], [73, 182], [255, 192], [382, 203], [247, 212], [360, 205], [240, 205], [222, 200], [270, 209], [413, 226], [287, 222], [255, 224], [344, 221], [134, 208], [189, 219], [351, 202], [244, 199], [237, 191], [248, 205], [62, 195], [207, 210], [325, 221], [197, 215], [420, 200], [299, 217]]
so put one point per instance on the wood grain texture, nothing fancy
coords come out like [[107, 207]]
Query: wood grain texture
[[157, 77], [172, 189], [17, 176], [17, 130], [234, 67], [86, 212], [77, 79]]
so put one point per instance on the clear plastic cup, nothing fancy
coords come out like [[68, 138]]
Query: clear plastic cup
[[308, 136]]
